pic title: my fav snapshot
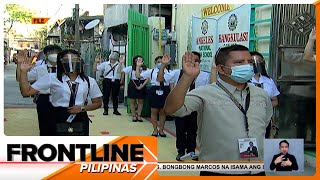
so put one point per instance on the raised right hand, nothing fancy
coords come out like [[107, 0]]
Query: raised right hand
[[190, 66], [23, 56], [121, 60], [25, 66], [312, 35]]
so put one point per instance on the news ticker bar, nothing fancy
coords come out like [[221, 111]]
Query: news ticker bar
[[180, 166], [210, 167]]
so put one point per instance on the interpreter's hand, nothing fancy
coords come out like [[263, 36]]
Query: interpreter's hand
[[190, 66], [25, 66], [139, 62], [165, 59], [286, 163], [278, 159], [312, 35], [74, 109], [23, 56], [121, 60]]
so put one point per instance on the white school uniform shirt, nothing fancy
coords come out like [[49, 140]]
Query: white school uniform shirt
[[39, 62], [268, 85], [201, 80], [39, 71], [132, 73], [168, 76], [106, 66], [60, 91]]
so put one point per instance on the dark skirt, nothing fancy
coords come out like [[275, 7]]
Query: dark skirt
[[157, 101], [134, 93], [78, 127]]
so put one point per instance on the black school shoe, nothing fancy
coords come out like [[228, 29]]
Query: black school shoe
[[139, 119], [105, 112], [178, 158], [116, 112], [163, 134], [134, 119]]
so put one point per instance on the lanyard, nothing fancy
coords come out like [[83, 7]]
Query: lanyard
[[239, 105], [113, 68], [161, 83]]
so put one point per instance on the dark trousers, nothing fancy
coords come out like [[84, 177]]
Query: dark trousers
[[46, 127], [207, 173], [186, 132], [108, 87]]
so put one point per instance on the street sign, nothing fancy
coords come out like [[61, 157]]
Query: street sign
[[39, 20]]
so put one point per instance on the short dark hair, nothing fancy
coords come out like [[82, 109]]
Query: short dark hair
[[284, 141], [51, 48], [158, 57], [197, 54], [223, 53]]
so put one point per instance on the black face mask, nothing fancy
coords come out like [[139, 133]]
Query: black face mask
[[73, 67], [258, 67]]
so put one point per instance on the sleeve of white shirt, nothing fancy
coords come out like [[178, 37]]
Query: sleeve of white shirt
[[127, 70], [43, 83], [101, 66], [146, 74], [169, 77], [192, 102], [275, 91], [176, 73], [94, 89], [32, 74]]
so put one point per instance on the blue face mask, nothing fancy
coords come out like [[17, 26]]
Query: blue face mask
[[158, 65], [242, 73]]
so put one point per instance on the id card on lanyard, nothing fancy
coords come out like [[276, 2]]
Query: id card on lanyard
[[243, 154], [74, 91]]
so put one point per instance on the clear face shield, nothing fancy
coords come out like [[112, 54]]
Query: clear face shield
[[71, 64], [257, 64]]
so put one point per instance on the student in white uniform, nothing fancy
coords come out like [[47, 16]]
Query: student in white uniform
[[69, 89], [160, 79], [111, 81], [42, 68], [186, 127], [136, 87], [261, 79]]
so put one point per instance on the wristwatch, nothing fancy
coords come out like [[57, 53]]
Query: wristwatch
[[82, 109]]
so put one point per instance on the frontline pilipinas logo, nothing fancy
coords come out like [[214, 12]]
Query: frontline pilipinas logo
[[125, 157]]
